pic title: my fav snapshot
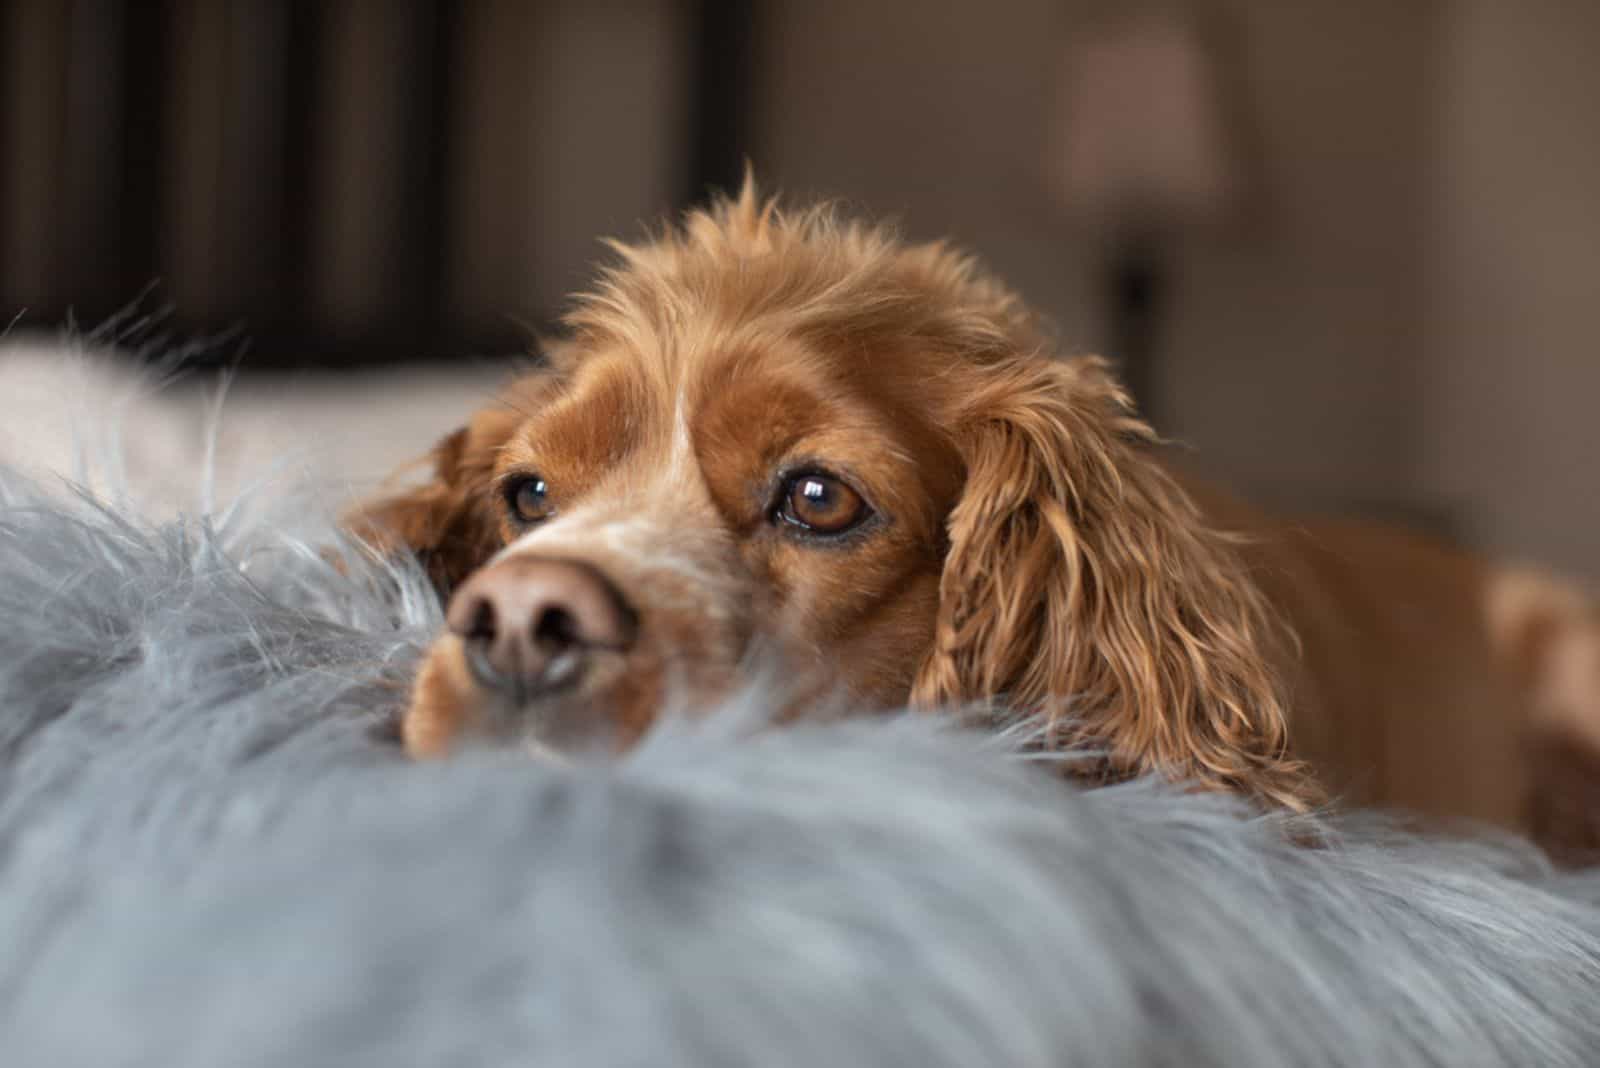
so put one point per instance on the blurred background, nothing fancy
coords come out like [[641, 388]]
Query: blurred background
[[1348, 250]]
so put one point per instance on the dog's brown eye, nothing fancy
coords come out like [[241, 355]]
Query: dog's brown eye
[[528, 499], [821, 504]]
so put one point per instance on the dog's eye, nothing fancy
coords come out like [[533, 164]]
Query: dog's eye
[[821, 504], [527, 498]]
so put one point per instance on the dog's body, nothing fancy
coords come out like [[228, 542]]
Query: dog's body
[[790, 433], [1426, 678]]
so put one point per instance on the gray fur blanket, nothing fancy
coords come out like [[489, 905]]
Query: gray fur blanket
[[209, 857]]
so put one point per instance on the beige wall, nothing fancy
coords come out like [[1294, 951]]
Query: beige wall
[[1293, 348], [901, 109], [1293, 344], [1513, 354]]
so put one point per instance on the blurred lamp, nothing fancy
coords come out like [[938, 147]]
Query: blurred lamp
[[1144, 155]]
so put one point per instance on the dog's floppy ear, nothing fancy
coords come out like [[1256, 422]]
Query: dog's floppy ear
[[448, 521], [1081, 581]]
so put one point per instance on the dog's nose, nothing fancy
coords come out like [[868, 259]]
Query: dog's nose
[[529, 624]]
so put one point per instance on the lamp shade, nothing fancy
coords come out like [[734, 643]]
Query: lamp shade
[[1143, 141]]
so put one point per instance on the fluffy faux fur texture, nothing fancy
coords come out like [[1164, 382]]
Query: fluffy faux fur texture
[[208, 856]]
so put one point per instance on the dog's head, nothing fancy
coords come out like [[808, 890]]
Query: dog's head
[[797, 432]]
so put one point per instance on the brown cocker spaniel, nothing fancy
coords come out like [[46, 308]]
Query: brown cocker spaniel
[[790, 432]]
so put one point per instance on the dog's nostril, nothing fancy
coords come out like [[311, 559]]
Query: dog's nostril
[[481, 621], [556, 628]]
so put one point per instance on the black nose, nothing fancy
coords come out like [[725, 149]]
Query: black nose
[[530, 624]]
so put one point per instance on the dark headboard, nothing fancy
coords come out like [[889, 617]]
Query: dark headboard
[[330, 178]]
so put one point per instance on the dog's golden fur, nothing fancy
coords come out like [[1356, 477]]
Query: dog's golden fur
[[1034, 544]]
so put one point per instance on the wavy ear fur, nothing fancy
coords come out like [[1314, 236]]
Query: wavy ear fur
[[1083, 582], [449, 521]]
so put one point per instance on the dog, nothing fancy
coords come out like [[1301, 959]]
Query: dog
[[791, 430]]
